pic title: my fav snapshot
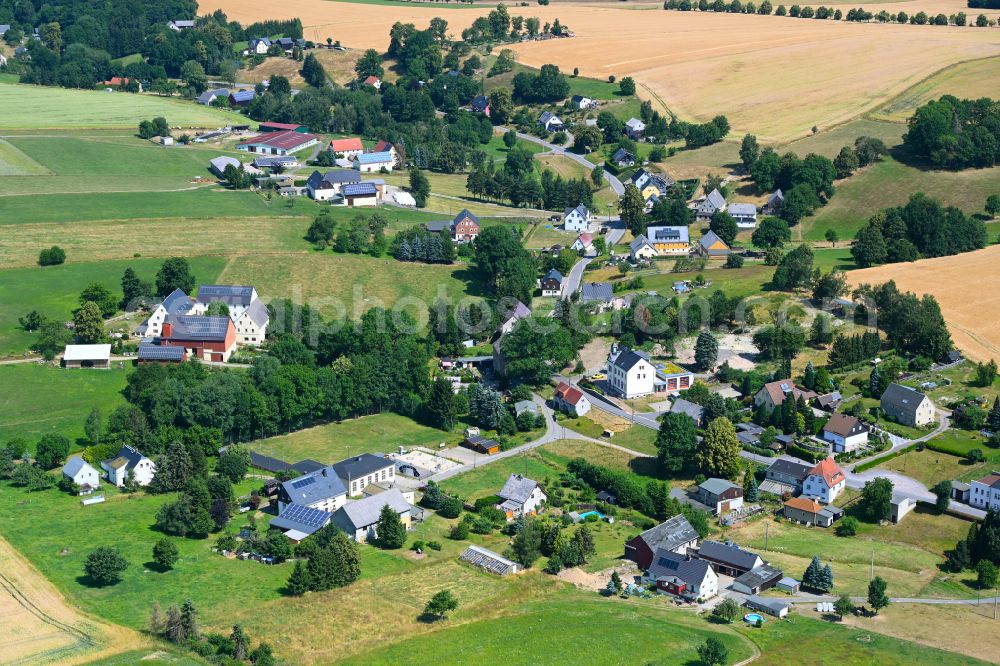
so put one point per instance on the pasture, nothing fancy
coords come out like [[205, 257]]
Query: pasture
[[972, 79], [13, 162], [54, 290], [972, 328], [378, 433], [40, 107]]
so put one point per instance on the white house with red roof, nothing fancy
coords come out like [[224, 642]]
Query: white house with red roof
[[373, 81], [571, 400], [825, 481], [583, 243], [278, 143], [350, 147]]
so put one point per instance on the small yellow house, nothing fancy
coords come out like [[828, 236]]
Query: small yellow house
[[713, 247]]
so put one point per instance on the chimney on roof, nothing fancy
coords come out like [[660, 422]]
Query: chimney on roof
[[167, 329], [323, 471]]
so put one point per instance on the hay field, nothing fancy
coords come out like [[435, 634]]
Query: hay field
[[41, 628], [777, 77], [339, 66], [967, 286], [41, 107], [973, 79]]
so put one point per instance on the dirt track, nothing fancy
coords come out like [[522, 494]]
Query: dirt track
[[40, 627]]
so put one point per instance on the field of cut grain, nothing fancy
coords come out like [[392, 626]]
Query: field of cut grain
[[776, 77], [967, 286], [973, 79], [41, 628], [339, 66]]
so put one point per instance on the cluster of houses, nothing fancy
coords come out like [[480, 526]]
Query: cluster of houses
[[350, 494], [261, 45], [129, 466], [672, 559], [179, 327]]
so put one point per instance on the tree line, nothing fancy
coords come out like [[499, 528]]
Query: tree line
[[822, 12], [955, 133]]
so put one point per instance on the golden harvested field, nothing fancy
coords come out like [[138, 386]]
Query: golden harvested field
[[776, 77], [41, 628], [339, 66], [973, 79], [966, 285]]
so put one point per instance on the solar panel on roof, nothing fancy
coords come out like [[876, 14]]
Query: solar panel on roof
[[298, 484]]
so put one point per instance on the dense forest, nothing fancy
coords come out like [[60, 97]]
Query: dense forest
[[956, 133]]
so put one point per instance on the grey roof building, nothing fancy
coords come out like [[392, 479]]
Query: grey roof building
[[517, 488], [668, 563], [775, 607], [149, 351], [177, 303], [360, 517], [682, 406], [674, 534], [628, 358], [230, 294], [198, 328], [708, 245], [313, 488], [597, 292], [757, 580], [729, 559], [668, 234], [300, 520], [218, 165], [906, 405]]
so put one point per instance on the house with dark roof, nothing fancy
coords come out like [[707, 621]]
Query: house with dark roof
[[640, 249], [368, 162], [845, 433], [464, 227], [298, 521], [696, 412], [488, 561], [551, 122], [278, 143], [510, 317], [359, 519], [826, 480], [570, 400], [651, 184], [682, 576], [775, 607], [322, 489], [248, 313], [151, 352], [774, 203], [480, 444], [711, 246], [785, 476], [674, 535], [242, 97], [709, 206], [758, 580], [521, 496], [630, 373], [83, 474], [907, 406], [361, 195], [635, 128], [721, 495], [175, 303], [773, 394], [728, 559], [204, 338], [551, 283], [366, 469], [329, 185], [828, 402], [581, 103], [599, 293], [622, 158], [209, 96], [129, 464], [481, 104], [258, 46]]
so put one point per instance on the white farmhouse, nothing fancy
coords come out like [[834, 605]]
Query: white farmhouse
[[521, 496], [129, 464], [845, 433], [83, 474], [577, 219], [825, 481]]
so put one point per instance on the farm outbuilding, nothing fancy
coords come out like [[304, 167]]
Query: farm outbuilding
[[486, 559], [87, 356]]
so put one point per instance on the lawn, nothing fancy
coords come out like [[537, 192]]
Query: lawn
[[831, 644], [890, 183], [928, 467], [543, 631], [379, 433], [54, 290], [829, 141], [449, 196], [498, 150], [908, 569], [960, 442], [345, 285], [201, 203], [55, 400], [44, 107]]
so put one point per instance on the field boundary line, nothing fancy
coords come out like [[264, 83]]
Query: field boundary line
[[927, 78]]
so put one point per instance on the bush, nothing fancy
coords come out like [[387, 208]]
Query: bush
[[450, 508], [53, 256], [848, 527], [459, 532], [105, 565]]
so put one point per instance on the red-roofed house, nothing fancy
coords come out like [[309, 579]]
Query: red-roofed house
[[117, 82], [386, 147], [282, 127], [583, 243], [204, 338], [284, 142], [347, 147], [773, 393], [571, 400], [374, 82], [825, 481]]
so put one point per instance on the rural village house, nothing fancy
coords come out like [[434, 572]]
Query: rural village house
[[359, 519], [721, 495], [845, 433], [464, 227], [322, 489], [631, 374], [682, 576], [907, 406], [520, 496], [773, 394], [571, 400], [129, 464], [83, 474], [278, 143], [551, 283], [577, 219], [364, 470], [709, 206], [669, 241], [825, 481], [674, 535], [984, 493], [711, 246]]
